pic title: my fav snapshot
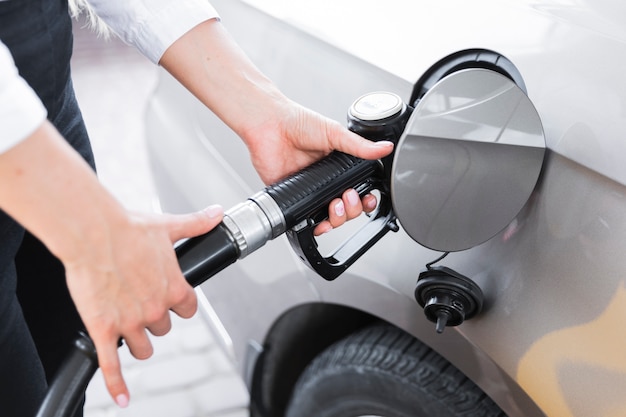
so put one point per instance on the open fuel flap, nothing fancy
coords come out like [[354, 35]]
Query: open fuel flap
[[466, 164]]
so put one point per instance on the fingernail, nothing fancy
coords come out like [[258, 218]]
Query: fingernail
[[353, 197], [326, 229], [122, 400], [370, 204], [340, 209], [214, 211], [382, 144]]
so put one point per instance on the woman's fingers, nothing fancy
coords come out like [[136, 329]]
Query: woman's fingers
[[186, 304], [182, 226], [109, 363], [348, 207]]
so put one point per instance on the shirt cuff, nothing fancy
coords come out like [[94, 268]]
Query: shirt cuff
[[21, 111]]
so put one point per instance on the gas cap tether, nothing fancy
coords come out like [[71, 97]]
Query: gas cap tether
[[448, 298]]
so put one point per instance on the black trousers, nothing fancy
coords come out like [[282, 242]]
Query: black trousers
[[38, 319]]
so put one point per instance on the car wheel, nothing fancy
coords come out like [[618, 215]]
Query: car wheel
[[382, 371]]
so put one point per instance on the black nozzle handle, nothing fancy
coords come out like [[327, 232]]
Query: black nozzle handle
[[305, 196], [66, 391], [331, 266], [304, 199]]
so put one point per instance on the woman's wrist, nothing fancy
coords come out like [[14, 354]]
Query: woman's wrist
[[208, 62]]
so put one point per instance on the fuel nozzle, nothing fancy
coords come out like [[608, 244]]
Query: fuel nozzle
[[448, 298]]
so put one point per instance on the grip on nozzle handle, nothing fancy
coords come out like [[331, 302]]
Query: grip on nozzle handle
[[304, 198], [309, 191]]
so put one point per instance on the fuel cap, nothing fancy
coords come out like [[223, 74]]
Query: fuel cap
[[376, 106], [468, 160], [378, 116]]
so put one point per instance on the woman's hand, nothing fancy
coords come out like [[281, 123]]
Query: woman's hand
[[121, 268], [280, 146], [127, 279]]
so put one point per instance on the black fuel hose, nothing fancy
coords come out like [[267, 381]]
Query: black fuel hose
[[284, 205]]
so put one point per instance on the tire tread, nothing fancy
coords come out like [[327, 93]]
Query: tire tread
[[387, 350]]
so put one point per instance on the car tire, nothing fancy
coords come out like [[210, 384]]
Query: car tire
[[382, 371]]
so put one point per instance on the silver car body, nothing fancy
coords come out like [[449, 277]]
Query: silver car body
[[550, 339]]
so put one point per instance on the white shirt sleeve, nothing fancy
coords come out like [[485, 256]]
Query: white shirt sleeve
[[21, 111], [152, 26]]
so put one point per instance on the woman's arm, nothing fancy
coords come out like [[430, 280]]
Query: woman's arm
[[281, 135]]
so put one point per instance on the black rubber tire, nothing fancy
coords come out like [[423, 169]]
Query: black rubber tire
[[382, 371]]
